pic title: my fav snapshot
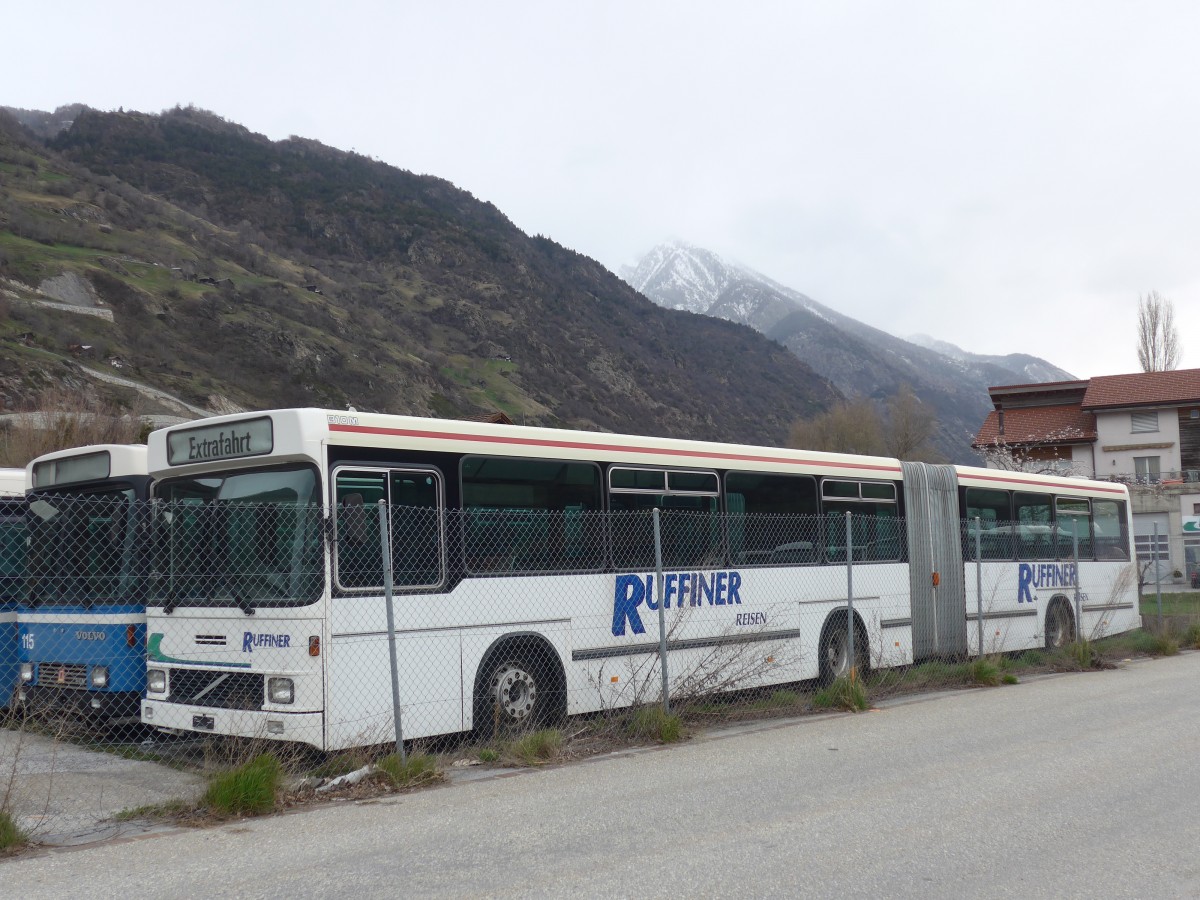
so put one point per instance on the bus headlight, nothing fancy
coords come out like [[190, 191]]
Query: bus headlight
[[26, 673], [99, 676], [156, 680], [280, 690]]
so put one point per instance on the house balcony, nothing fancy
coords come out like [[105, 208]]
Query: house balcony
[[1189, 478]]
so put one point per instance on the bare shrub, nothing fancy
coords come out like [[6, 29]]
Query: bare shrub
[[60, 418]]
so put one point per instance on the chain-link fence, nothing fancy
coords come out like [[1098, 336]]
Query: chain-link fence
[[189, 622]]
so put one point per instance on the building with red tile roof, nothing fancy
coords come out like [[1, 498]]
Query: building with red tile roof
[[1141, 428]]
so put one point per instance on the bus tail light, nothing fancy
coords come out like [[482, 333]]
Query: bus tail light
[[314, 645], [131, 635]]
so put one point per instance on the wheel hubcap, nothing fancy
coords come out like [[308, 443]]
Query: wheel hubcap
[[515, 692]]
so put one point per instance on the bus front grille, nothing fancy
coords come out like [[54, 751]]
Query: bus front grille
[[227, 690], [63, 675]]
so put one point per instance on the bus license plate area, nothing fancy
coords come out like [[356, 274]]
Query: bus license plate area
[[204, 723]]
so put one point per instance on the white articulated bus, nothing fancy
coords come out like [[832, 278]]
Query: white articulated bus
[[524, 563]]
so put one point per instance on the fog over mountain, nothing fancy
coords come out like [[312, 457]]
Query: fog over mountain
[[858, 359]]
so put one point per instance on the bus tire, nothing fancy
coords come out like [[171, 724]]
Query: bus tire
[[834, 650], [520, 686], [1060, 625]]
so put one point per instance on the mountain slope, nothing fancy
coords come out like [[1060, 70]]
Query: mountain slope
[[233, 271], [858, 359]]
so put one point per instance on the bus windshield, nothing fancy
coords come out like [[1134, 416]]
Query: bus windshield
[[12, 549], [83, 548], [247, 538]]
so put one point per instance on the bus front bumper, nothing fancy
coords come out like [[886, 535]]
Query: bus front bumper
[[36, 699], [180, 718]]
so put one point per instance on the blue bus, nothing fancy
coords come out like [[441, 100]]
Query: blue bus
[[12, 576], [81, 627]]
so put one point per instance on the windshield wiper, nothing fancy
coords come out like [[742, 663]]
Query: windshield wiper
[[243, 604]]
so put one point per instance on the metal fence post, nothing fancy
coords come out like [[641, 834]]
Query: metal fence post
[[385, 539], [1157, 579], [851, 659], [659, 589], [1075, 559], [979, 582]]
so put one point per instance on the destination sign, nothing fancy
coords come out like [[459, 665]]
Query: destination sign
[[72, 469], [231, 440]]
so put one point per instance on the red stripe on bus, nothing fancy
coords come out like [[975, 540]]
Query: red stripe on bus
[[612, 448], [1091, 485]]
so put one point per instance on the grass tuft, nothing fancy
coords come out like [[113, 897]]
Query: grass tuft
[[844, 693], [250, 789], [984, 671], [11, 837], [1166, 644], [169, 809], [417, 768], [1009, 678], [488, 755], [538, 747], [651, 723]]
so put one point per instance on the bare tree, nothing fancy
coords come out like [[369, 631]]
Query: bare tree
[[910, 427], [1158, 339], [849, 427], [1023, 458], [60, 418]]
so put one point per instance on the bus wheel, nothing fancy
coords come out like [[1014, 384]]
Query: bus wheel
[[1060, 626], [514, 694], [835, 650]]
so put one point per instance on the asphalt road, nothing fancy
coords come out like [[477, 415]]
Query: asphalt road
[[1068, 786]]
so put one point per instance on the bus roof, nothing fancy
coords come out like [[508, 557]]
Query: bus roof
[[289, 435], [86, 464]]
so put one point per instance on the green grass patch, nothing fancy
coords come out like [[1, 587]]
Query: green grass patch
[[652, 723], [416, 769], [250, 789], [169, 810], [1191, 637], [933, 674], [1009, 678], [845, 693], [537, 747], [1082, 655], [782, 699], [11, 837], [489, 755], [1174, 603], [984, 671]]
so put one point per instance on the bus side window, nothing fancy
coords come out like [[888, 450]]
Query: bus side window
[[1108, 520], [359, 554]]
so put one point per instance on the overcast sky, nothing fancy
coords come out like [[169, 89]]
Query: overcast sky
[[1008, 176]]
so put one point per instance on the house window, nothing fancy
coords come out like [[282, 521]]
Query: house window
[[1144, 421], [1146, 546], [1146, 469]]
